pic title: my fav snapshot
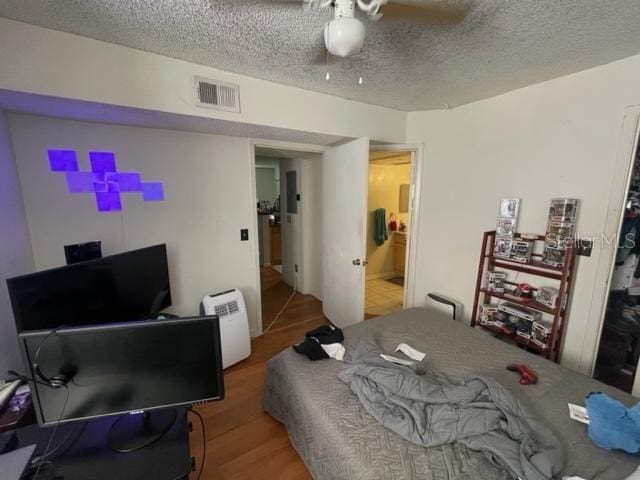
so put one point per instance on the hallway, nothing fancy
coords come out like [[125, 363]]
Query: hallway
[[275, 292]]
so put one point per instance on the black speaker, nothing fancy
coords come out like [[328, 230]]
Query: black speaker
[[82, 252]]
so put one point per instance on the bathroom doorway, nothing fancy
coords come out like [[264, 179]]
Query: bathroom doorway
[[389, 209]]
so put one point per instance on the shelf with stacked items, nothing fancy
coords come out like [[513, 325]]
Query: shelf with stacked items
[[524, 342], [523, 316], [529, 303]]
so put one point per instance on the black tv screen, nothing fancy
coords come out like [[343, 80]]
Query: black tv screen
[[125, 367], [125, 287]]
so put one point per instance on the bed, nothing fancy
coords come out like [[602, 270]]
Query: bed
[[337, 439]]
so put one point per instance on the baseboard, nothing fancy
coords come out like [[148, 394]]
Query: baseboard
[[383, 276]]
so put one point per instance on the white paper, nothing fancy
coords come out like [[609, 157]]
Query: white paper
[[397, 360], [410, 352], [578, 413], [334, 350]]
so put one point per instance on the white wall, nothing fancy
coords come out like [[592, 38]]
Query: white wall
[[312, 225], [207, 181], [302, 232], [15, 247], [266, 184], [272, 189], [48, 62], [555, 139]]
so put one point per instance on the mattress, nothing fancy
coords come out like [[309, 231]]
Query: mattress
[[337, 439]]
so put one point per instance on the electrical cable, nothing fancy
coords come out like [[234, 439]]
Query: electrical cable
[[19, 376], [204, 449], [53, 434], [55, 381], [143, 446], [204, 441], [295, 288], [46, 337]]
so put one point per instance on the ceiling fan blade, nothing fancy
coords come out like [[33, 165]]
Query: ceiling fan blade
[[420, 12]]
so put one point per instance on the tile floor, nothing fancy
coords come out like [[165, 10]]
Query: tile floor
[[382, 297]]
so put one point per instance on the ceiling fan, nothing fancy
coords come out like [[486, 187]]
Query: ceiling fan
[[344, 34]]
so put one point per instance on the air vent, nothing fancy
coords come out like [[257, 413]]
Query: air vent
[[221, 310], [217, 95], [228, 308], [233, 306]]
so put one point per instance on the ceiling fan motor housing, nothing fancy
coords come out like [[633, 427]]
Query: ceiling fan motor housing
[[344, 35], [344, 9]]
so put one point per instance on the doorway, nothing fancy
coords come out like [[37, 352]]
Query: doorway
[[619, 347], [289, 199], [330, 263], [388, 227]]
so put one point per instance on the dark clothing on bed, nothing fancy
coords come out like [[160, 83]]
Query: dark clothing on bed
[[323, 335], [326, 334], [425, 407]]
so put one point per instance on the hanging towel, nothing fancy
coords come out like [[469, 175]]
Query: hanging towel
[[380, 226]]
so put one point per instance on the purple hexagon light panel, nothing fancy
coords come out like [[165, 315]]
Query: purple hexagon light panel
[[104, 180]]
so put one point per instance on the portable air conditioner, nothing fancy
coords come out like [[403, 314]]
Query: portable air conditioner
[[234, 324]]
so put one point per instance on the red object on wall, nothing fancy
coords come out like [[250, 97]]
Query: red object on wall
[[393, 225]]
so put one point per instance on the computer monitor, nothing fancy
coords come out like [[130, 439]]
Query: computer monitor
[[125, 287], [124, 367], [81, 252]]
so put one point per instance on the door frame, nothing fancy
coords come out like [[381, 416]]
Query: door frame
[[281, 145], [620, 183], [417, 165]]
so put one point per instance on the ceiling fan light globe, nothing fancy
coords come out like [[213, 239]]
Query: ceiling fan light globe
[[344, 37]]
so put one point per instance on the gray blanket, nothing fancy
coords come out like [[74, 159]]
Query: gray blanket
[[339, 440], [425, 407]]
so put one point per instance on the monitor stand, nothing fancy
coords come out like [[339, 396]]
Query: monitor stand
[[133, 432]]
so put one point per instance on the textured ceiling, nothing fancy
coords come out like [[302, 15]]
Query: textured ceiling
[[499, 46]]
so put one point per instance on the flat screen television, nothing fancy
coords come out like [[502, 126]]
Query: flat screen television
[[130, 367], [125, 287]]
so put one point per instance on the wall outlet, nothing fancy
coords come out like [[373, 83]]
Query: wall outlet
[[244, 234], [295, 268], [585, 247]]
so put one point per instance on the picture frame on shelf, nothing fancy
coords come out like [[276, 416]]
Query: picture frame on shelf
[[487, 314], [559, 231], [506, 226], [509, 207], [502, 247], [563, 210], [547, 296], [494, 281], [553, 256], [540, 333], [521, 251]]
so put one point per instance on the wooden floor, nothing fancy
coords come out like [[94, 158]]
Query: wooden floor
[[243, 442]]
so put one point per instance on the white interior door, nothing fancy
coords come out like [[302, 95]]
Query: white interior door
[[344, 193]]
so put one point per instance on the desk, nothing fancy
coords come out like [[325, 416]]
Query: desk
[[88, 458]]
